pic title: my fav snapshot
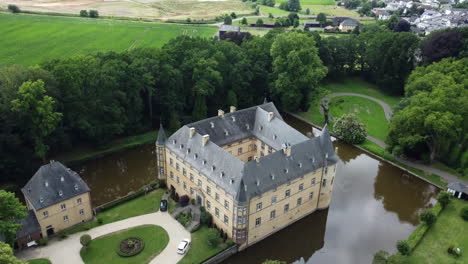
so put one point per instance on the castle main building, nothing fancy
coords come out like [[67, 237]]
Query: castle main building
[[253, 172]]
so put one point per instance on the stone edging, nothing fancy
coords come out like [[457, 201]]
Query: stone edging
[[368, 152]]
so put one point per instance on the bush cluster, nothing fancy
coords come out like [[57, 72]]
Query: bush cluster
[[91, 13]]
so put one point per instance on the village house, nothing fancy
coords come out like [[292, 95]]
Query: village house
[[348, 25], [458, 190], [57, 198], [252, 171], [227, 28]]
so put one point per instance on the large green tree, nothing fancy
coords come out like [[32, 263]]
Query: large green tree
[[11, 209], [6, 255], [297, 70], [436, 111], [37, 111]]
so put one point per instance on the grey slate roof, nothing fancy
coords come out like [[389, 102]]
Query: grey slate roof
[[245, 180], [161, 135], [29, 225], [457, 186], [227, 28], [53, 183], [350, 22]]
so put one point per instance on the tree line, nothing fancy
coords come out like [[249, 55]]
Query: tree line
[[67, 102]]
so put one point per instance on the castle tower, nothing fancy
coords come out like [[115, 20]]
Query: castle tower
[[161, 153]]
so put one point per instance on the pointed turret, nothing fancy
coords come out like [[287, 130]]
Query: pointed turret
[[161, 136], [241, 196]]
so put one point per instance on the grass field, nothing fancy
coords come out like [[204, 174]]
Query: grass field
[[255, 32], [145, 204], [200, 250], [103, 249], [312, 2], [39, 261], [449, 229], [29, 39], [330, 10], [368, 112]]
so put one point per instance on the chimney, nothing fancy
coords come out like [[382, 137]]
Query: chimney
[[232, 109], [220, 113], [287, 149], [192, 132], [257, 159], [270, 116], [205, 139]]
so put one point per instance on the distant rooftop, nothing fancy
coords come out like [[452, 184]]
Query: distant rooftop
[[229, 28]]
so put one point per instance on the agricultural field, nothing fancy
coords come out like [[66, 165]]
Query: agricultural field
[[312, 2], [329, 10], [155, 9], [29, 39]]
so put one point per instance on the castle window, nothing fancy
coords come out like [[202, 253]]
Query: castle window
[[299, 201], [258, 221], [324, 182], [226, 219], [216, 196], [311, 195], [172, 175], [263, 145], [79, 201], [259, 206], [286, 208], [191, 177], [208, 190], [184, 171], [178, 180], [208, 205], [65, 218], [171, 162], [313, 181], [249, 158], [239, 151], [191, 190], [81, 211], [270, 149], [161, 170], [301, 187], [332, 180], [287, 193], [226, 204], [273, 214], [216, 211], [177, 166], [45, 213], [63, 206], [326, 170], [273, 199], [185, 186], [199, 183]]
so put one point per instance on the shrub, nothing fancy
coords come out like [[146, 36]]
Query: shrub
[[62, 235], [464, 213], [176, 197], [230, 243], [259, 23], [206, 218], [403, 247], [42, 242], [192, 201], [213, 237], [14, 8], [162, 184], [93, 13], [100, 220], [227, 20], [184, 200], [380, 257], [350, 129], [85, 240], [427, 216], [444, 198], [233, 15], [83, 13], [189, 20]]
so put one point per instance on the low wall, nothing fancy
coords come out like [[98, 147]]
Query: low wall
[[369, 152], [220, 257]]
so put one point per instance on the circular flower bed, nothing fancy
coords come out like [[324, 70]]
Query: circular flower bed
[[130, 247]]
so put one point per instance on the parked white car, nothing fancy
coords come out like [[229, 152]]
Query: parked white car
[[183, 246]]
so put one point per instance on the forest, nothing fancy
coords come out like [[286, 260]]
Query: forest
[[64, 103]]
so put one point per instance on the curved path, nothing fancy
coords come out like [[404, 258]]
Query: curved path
[[446, 176], [68, 250], [387, 109]]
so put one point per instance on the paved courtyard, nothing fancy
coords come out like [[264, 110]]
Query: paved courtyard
[[68, 250]]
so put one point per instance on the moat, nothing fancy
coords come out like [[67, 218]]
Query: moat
[[374, 204]]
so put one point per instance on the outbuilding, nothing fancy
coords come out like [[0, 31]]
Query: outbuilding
[[227, 28], [458, 190]]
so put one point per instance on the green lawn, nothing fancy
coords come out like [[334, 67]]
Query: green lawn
[[102, 249], [30, 39], [330, 10], [145, 204], [449, 229], [311, 2], [200, 250], [367, 111], [39, 261], [273, 10]]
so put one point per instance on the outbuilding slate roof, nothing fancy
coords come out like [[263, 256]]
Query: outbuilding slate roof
[[228, 28], [350, 22], [53, 183], [246, 180], [29, 225]]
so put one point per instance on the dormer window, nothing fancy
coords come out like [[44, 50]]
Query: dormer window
[[188, 151], [46, 184], [213, 168], [204, 162], [195, 156], [174, 141], [275, 136], [181, 146], [221, 174], [285, 170], [231, 181], [247, 126], [226, 133], [257, 183], [233, 118], [60, 193], [272, 176], [41, 200], [76, 187], [260, 128], [62, 179], [212, 124], [299, 165]]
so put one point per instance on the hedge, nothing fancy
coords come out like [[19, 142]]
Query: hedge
[[415, 237]]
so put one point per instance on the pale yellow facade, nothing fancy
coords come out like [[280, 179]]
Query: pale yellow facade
[[64, 214], [266, 214], [346, 28]]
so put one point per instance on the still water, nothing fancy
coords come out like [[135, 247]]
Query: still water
[[374, 204]]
